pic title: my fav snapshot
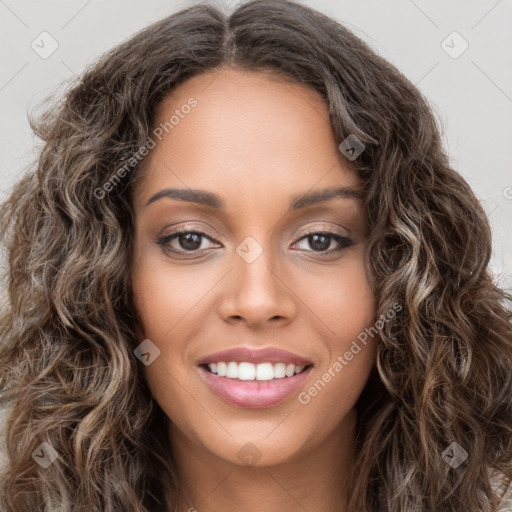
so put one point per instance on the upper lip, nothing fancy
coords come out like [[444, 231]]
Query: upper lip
[[266, 355]]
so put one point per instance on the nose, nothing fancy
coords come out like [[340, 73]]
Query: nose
[[258, 293]]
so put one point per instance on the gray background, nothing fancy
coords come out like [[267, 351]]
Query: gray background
[[471, 94]]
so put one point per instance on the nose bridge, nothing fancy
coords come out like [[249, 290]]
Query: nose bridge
[[253, 266]]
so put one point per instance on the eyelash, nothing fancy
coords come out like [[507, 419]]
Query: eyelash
[[164, 241]]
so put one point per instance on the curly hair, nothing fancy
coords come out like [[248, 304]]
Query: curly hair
[[443, 372]]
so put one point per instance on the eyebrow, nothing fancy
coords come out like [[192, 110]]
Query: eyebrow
[[214, 201]]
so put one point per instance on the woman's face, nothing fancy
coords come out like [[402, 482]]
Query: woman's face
[[249, 275]]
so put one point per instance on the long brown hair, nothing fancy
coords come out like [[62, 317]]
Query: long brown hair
[[444, 363]]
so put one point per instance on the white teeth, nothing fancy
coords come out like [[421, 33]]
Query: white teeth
[[246, 371], [264, 371], [250, 371], [279, 370], [232, 370], [221, 369]]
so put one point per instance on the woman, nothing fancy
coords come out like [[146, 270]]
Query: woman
[[243, 275]]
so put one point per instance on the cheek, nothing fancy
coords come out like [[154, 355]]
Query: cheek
[[169, 301], [166, 296], [342, 302], [345, 304]]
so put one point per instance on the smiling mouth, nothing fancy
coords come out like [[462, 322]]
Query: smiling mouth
[[249, 385], [247, 372]]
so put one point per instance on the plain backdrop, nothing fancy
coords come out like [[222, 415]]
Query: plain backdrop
[[470, 90]]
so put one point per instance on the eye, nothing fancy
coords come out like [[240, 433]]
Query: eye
[[187, 240], [320, 241]]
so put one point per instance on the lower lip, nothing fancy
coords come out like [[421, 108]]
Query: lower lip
[[254, 393]]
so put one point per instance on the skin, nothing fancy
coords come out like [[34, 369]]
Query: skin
[[257, 141]]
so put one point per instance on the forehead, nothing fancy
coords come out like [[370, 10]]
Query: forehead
[[250, 134]]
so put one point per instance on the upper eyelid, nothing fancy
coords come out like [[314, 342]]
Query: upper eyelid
[[205, 231]]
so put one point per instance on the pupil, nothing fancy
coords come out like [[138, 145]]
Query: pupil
[[189, 242], [322, 246]]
